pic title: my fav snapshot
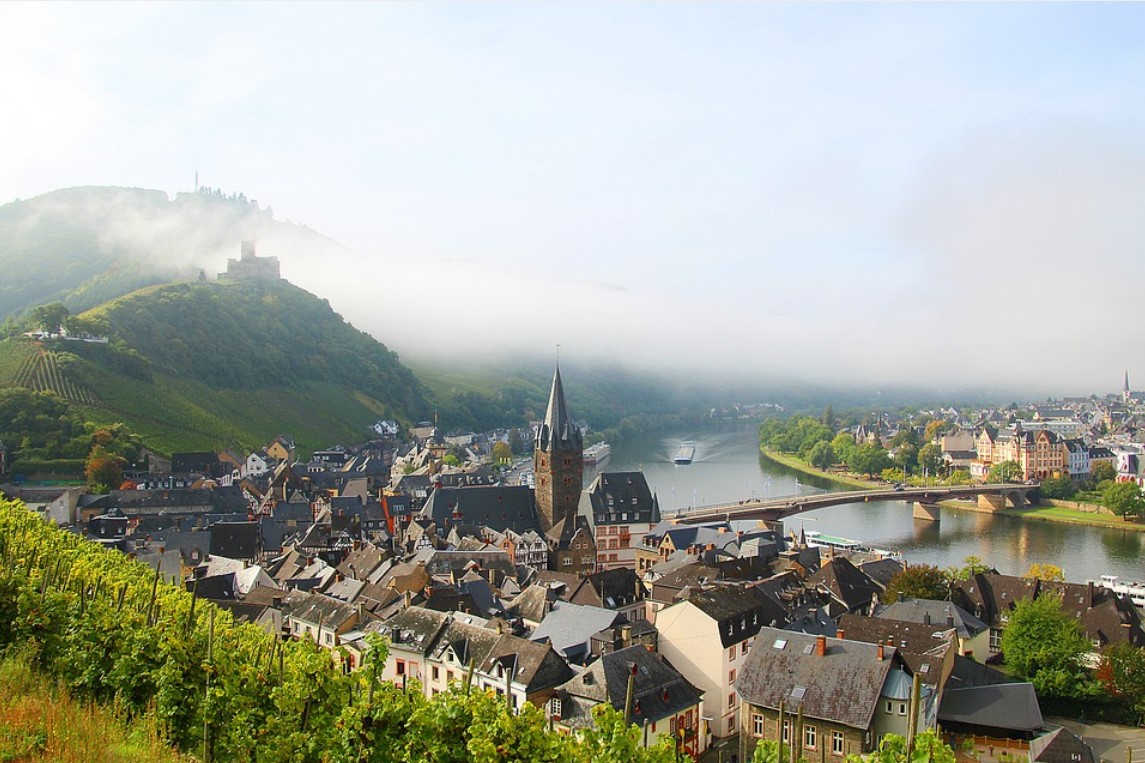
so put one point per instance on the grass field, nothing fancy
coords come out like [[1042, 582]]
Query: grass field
[[40, 722]]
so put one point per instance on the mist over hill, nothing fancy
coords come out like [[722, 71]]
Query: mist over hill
[[84, 246]]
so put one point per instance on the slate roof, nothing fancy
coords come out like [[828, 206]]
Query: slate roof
[[536, 666], [939, 614], [843, 686], [614, 494], [611, 589], [498, 506], [659, 690], [570, 627], [313, 608], [533, 603], [738, 613], [414, 629], [881, 570], [237, 540], [1006, 707], [1060, 746], [922, 647], [362, 561], [846, 583], [968, 672]]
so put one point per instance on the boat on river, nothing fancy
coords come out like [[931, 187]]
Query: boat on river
[[1134, 590], [685, 453]]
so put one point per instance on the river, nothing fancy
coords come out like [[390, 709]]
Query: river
[[728, 468]]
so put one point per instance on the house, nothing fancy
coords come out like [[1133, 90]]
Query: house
[[664, 702], [620, 508], [319, 618], [1001, 711], [281, 448], [823, 698], [972, 633], [617, 589], [845, 586], [707, 635]]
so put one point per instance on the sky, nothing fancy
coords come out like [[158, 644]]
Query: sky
[[929, 194]]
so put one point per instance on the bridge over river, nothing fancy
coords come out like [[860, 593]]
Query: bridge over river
[[992, 497]]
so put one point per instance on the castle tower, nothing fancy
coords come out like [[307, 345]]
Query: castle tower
[[558, 462]]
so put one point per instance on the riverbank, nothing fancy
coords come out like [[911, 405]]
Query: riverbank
[[1053, 513], [797, 464]]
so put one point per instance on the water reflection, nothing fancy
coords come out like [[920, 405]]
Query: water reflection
[[729, 468]]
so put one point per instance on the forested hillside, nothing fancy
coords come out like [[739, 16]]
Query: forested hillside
[[202, 366]]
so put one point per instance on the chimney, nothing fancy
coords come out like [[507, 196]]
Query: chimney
[[361, 613], [821, 646], [949, 619], [276, 602], [840, 634], [1090, 584], [926, 618], [879, 654]]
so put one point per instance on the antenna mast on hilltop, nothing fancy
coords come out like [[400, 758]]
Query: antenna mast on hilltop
[[196, 181]]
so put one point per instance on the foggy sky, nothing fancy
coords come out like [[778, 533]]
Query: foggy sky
[[926, 194]]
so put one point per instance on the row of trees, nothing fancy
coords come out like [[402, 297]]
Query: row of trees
[[816, 443], [110, 630]]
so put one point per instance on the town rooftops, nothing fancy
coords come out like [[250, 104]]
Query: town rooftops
[[1011, 707], [841, 685]]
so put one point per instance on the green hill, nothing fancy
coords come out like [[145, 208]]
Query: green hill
[[196, 366]]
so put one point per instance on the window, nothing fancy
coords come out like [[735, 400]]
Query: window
[[435, 672], [329, 638], [731, 676], [743, 648], [449, 676], [567, 561], [786, 735], [836, 742], [732, 699], [556, 706], [731, 652], [995, 640], [757, 724], [401, 667], [809, 737], [890, 707], [902, 708]]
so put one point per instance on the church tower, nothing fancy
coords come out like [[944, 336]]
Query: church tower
[[558, 462], [1125, 394]]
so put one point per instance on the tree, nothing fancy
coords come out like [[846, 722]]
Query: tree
[[930, 458], [502, 453], [972, 565], [868, 459], [843, 444], [1122, 670], [1050, 572], [1044, 645], [906, 457], [821, 455], [934, 429], [918, 581], [50, 317], [450, 459], [1101, 471], [1005, 471], [828, 419], [1124, 499], [516, 441], [1058, 487], [103, 470]]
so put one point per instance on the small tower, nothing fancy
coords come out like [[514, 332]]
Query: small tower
[[1125, 390], [558, 462]]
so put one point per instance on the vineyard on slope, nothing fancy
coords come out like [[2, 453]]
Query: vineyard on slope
[[112, 631]]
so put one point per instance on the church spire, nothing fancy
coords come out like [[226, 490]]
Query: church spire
[[557, 430]]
